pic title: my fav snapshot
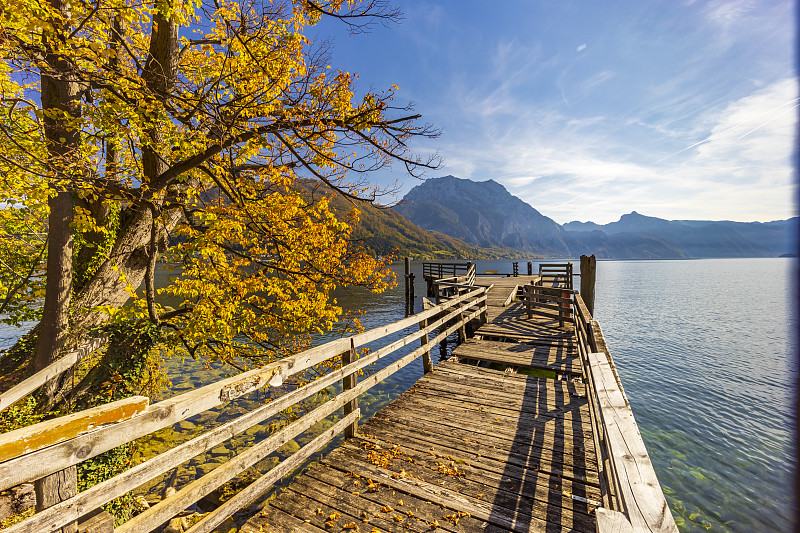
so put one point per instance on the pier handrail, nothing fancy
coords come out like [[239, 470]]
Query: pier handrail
[[77, 439], [556, 273], [441, 269], [50, 372], [632, 496]]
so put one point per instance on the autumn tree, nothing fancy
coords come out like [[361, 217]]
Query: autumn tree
[[132, 131]]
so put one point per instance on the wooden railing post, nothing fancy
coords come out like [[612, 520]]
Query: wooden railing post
[[427, 364], [56, 488], [588, 272], [349, 382], [527, 295], [462, 329], [530, 268]]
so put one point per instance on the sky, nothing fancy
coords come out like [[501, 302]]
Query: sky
[[588, 110]]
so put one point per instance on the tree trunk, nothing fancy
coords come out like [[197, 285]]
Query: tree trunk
[[60, 92], [134, 249]]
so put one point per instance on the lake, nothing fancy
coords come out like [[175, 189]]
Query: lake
[[706, 353], [705, 350]]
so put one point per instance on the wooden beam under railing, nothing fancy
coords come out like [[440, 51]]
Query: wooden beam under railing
[[50, 372]]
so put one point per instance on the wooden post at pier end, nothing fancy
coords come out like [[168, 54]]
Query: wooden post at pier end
[[530, 268], [409, 277], [411, 310], [588, 271]]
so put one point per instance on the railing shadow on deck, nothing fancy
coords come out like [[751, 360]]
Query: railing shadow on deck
[[632, 499], [36, 451]]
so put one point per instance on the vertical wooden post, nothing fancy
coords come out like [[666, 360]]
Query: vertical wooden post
[[410, 302], [56, 488], [588, 271], [427, 364], [530, 268], [516, 268], [408, 281], [527, 295], [348, 382], [462, 330]]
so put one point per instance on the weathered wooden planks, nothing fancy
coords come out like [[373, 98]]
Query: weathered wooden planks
[[31, 438], [484, 452], [557, 358], [469, 448]]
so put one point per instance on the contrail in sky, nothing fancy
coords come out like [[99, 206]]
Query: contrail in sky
[[767, 122], [737, 125]]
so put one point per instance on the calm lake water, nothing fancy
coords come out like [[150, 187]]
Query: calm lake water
[[704, 349]]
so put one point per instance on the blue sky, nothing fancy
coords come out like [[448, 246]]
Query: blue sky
[[588, 110]]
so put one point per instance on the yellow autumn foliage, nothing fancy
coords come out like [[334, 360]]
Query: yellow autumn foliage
[[183, 130]]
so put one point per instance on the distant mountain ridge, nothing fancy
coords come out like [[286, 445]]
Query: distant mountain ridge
[[485, 214], [705, 238]]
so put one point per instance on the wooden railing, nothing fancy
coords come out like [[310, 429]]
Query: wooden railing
[[50, 372], [548, 302], [445, 291], [457, 273], [440, 270], [437, 270], [36, 451], [556, 274], [632, 496]]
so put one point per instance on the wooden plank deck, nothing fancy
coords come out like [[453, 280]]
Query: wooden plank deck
[[503, 288], [467, 448]]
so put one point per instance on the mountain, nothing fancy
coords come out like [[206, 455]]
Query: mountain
[[383, 231], [485, 214], [703, 238]]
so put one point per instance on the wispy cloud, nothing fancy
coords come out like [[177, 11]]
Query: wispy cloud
[[677, 109], [571, 170]]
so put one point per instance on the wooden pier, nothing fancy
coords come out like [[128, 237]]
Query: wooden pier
[[525, 428], [467, 448]]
